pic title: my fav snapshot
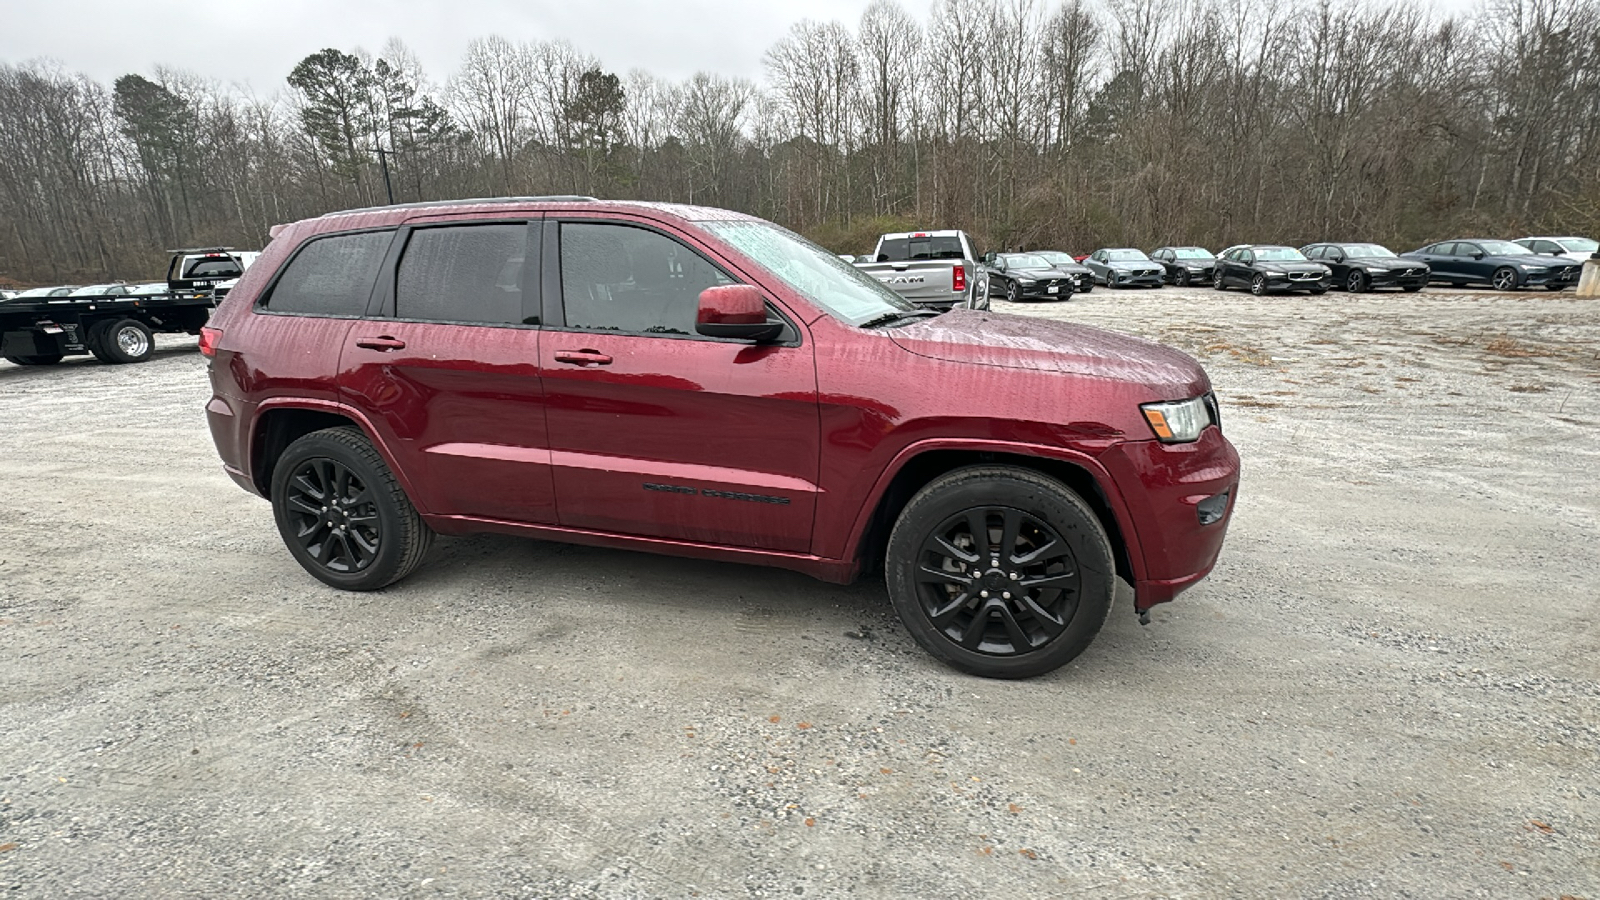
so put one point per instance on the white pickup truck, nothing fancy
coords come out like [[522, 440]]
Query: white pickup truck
[[934, 269]]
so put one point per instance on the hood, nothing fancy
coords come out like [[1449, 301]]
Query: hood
[[1550, 262], [1047, 272], [1045, 345], [1132, 265], [1382, 262], [1071, 268], [1288, 265]]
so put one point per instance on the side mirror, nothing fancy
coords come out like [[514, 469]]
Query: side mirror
[[1477, 254], [735, 311], [988, 258]]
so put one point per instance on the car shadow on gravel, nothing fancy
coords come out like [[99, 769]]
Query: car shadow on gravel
[[78, 363], [495, 575]]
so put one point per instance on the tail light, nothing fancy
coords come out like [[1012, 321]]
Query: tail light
[[208, 340], [958, 278]]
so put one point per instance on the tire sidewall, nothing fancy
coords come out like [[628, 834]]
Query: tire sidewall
[[390, 523], [1048, 500], [113, 350]]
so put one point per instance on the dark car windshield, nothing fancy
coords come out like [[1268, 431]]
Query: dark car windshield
[[1366, 250], [1055, 257], [914, 247], [1502, 248], [1026, 261], [1279, 254], [841, 289], [1126, 255], [1192, 253]]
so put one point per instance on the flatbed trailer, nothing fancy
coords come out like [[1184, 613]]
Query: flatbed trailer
[[115, 329]]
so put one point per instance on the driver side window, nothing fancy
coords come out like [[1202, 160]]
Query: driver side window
[[632, 280]]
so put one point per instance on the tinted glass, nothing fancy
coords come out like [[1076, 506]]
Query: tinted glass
[[213, 268], [902, 249], [464, 273], [1193, 253], [1317, 252], [1580, 245], [1279, 254], [1502, 248], [620, 278], [1126, 255], [331, 276]]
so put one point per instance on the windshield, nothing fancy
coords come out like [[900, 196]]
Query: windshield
[[1055, 257], [826, 280], [1503, 248], [1279, 254], [1578, 245], [1366, 250], [920, 247], [1126, 255], [92, 290], [1026, 261], [1192, 253]]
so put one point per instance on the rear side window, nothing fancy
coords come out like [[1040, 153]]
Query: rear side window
[[464, 273], [331, 276]]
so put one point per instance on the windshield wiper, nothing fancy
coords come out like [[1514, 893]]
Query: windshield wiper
[[891, 318]]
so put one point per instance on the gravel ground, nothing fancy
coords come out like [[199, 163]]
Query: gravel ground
[[1389, 687]]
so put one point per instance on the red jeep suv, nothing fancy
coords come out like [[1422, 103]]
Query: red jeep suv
[[698, 382]]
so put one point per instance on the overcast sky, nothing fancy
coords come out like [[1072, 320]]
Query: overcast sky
[[255, 44]]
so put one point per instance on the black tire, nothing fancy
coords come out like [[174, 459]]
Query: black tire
[[937, 587], [1088, 287], [1505, 279], [1412, 288], [1013, 293], [1555, 287], [1181, 279], [1218, 282], [95, 340], [370, 536], [38, 359], [126, 341], [1258, 285], [1357, 282]]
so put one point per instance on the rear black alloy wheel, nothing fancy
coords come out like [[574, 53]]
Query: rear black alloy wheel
[[341, 513], [1013, 293], [1504, 279], [1258, 285], [126, 341], [1000, 572], [1357, 281]]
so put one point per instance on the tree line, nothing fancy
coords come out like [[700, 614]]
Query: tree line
[[1070, 124]]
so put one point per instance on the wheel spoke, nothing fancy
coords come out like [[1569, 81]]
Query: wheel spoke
[[978, 524], [1054, 549], [341, 482], [301, 504], [325, 549], [939, 576], [1012, 523], [1065, 580], [951, 550], [1052, 623], [943, 616], [303, 480], [1019, 638], [974, 633], [367, 545]]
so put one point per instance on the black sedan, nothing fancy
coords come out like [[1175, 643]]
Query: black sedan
[[1185, 265], [1268, 268], [1367, 267], [1500, 264], [1027, 276], [1082, 278], [1124, 267]]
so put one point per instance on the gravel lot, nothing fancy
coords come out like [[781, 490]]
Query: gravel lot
[[1389, 687]]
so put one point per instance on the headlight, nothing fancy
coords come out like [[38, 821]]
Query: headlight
[[1197, 269], [1535, 268], [1028, 280], [1177, 421], [1376, 270]]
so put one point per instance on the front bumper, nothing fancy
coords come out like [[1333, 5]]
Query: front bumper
[[1135, 279], [1041, 290], [1398, 278], [1164, 487], [1197, 275], [1567, 277], [1285, 283]]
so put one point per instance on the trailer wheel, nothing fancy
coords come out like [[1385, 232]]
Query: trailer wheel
[[42, 359], [126, 341], [95, 340]]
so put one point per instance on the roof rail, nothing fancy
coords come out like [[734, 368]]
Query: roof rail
[[476, 201]]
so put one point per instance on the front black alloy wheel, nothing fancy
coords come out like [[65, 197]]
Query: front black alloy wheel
[[1182, 278], [341, 513], [1000, 572], [1013, 293], [1258, 285], [1217, 281], [1357, 282], [1504, 279]]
